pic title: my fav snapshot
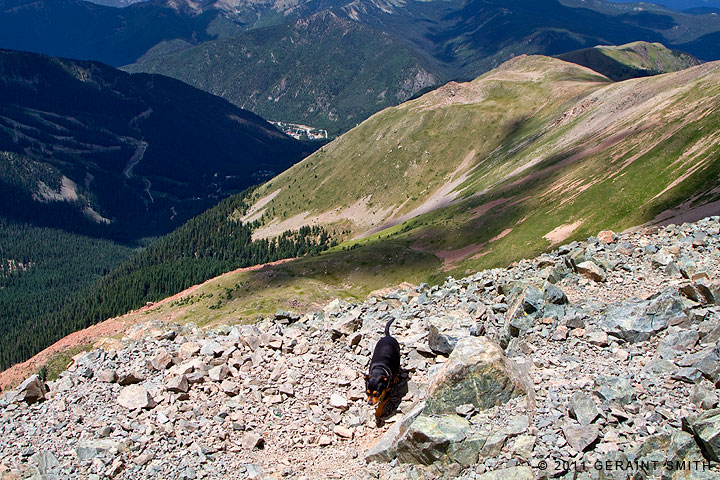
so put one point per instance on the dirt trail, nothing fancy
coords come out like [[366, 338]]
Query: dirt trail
[[113, 326]]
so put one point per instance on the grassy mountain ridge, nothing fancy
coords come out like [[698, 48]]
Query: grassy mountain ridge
[[323, 71], [637, 59], [533, 154], [479, 177]]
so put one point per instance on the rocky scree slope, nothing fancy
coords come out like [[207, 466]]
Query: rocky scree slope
[[606, 349]]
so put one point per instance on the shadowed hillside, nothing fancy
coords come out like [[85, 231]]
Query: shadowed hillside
[[637, 59]]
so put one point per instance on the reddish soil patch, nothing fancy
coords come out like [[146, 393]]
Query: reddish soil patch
[[113, 326], [486, 207], [562, 232], [452, 257], [501, 234]]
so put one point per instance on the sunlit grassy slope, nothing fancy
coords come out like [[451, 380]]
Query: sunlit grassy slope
[[533, 154]]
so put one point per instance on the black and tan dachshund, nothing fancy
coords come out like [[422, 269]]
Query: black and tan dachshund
[[384, 371]]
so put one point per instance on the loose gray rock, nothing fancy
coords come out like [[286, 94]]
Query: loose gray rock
[[162, 360], [135, 397], [614, 389], [478, 373], [31, 390], [638, 321], [107, 376], [130, 378], [688, 375], [90, 449], [443, 334], [591, 270], [704, 398], [212, 348], [706, 429], [219, 373], [581, 437], [582, 408], [523, 446], [45, 461], [429, 438], [252, 440], [188, 350], [177, 384], [347, 324]]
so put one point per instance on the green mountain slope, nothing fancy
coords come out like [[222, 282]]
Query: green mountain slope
[[323, 71], [531, 153], [127, 155], [637, 59], [334, 68]]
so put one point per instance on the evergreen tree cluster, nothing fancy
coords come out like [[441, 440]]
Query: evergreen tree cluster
[[41, 271], [204, 247]]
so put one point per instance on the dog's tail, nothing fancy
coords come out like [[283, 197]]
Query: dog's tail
[[387, 327]]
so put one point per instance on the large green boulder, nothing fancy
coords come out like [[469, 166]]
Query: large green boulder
[[478, 373]]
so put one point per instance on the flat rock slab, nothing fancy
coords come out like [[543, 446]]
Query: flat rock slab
[[32, 390], [706, 429], [614, 389], [582, 408], [429, 438], [89, 449]]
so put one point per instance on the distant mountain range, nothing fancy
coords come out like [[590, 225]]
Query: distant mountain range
[[291, 62], [116, 3], [132, 155], [674, 4], [321, 70], [680, 4]]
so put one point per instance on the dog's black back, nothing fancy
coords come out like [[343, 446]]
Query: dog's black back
[[387, 353]]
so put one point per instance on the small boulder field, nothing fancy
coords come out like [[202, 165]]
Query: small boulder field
[[598, 360]]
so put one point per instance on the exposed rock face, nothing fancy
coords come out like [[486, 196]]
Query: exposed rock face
[[706, 429], [429, 438], [477, 373], [505, 368]]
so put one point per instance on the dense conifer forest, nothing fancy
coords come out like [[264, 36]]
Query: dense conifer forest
[[206, 246]]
